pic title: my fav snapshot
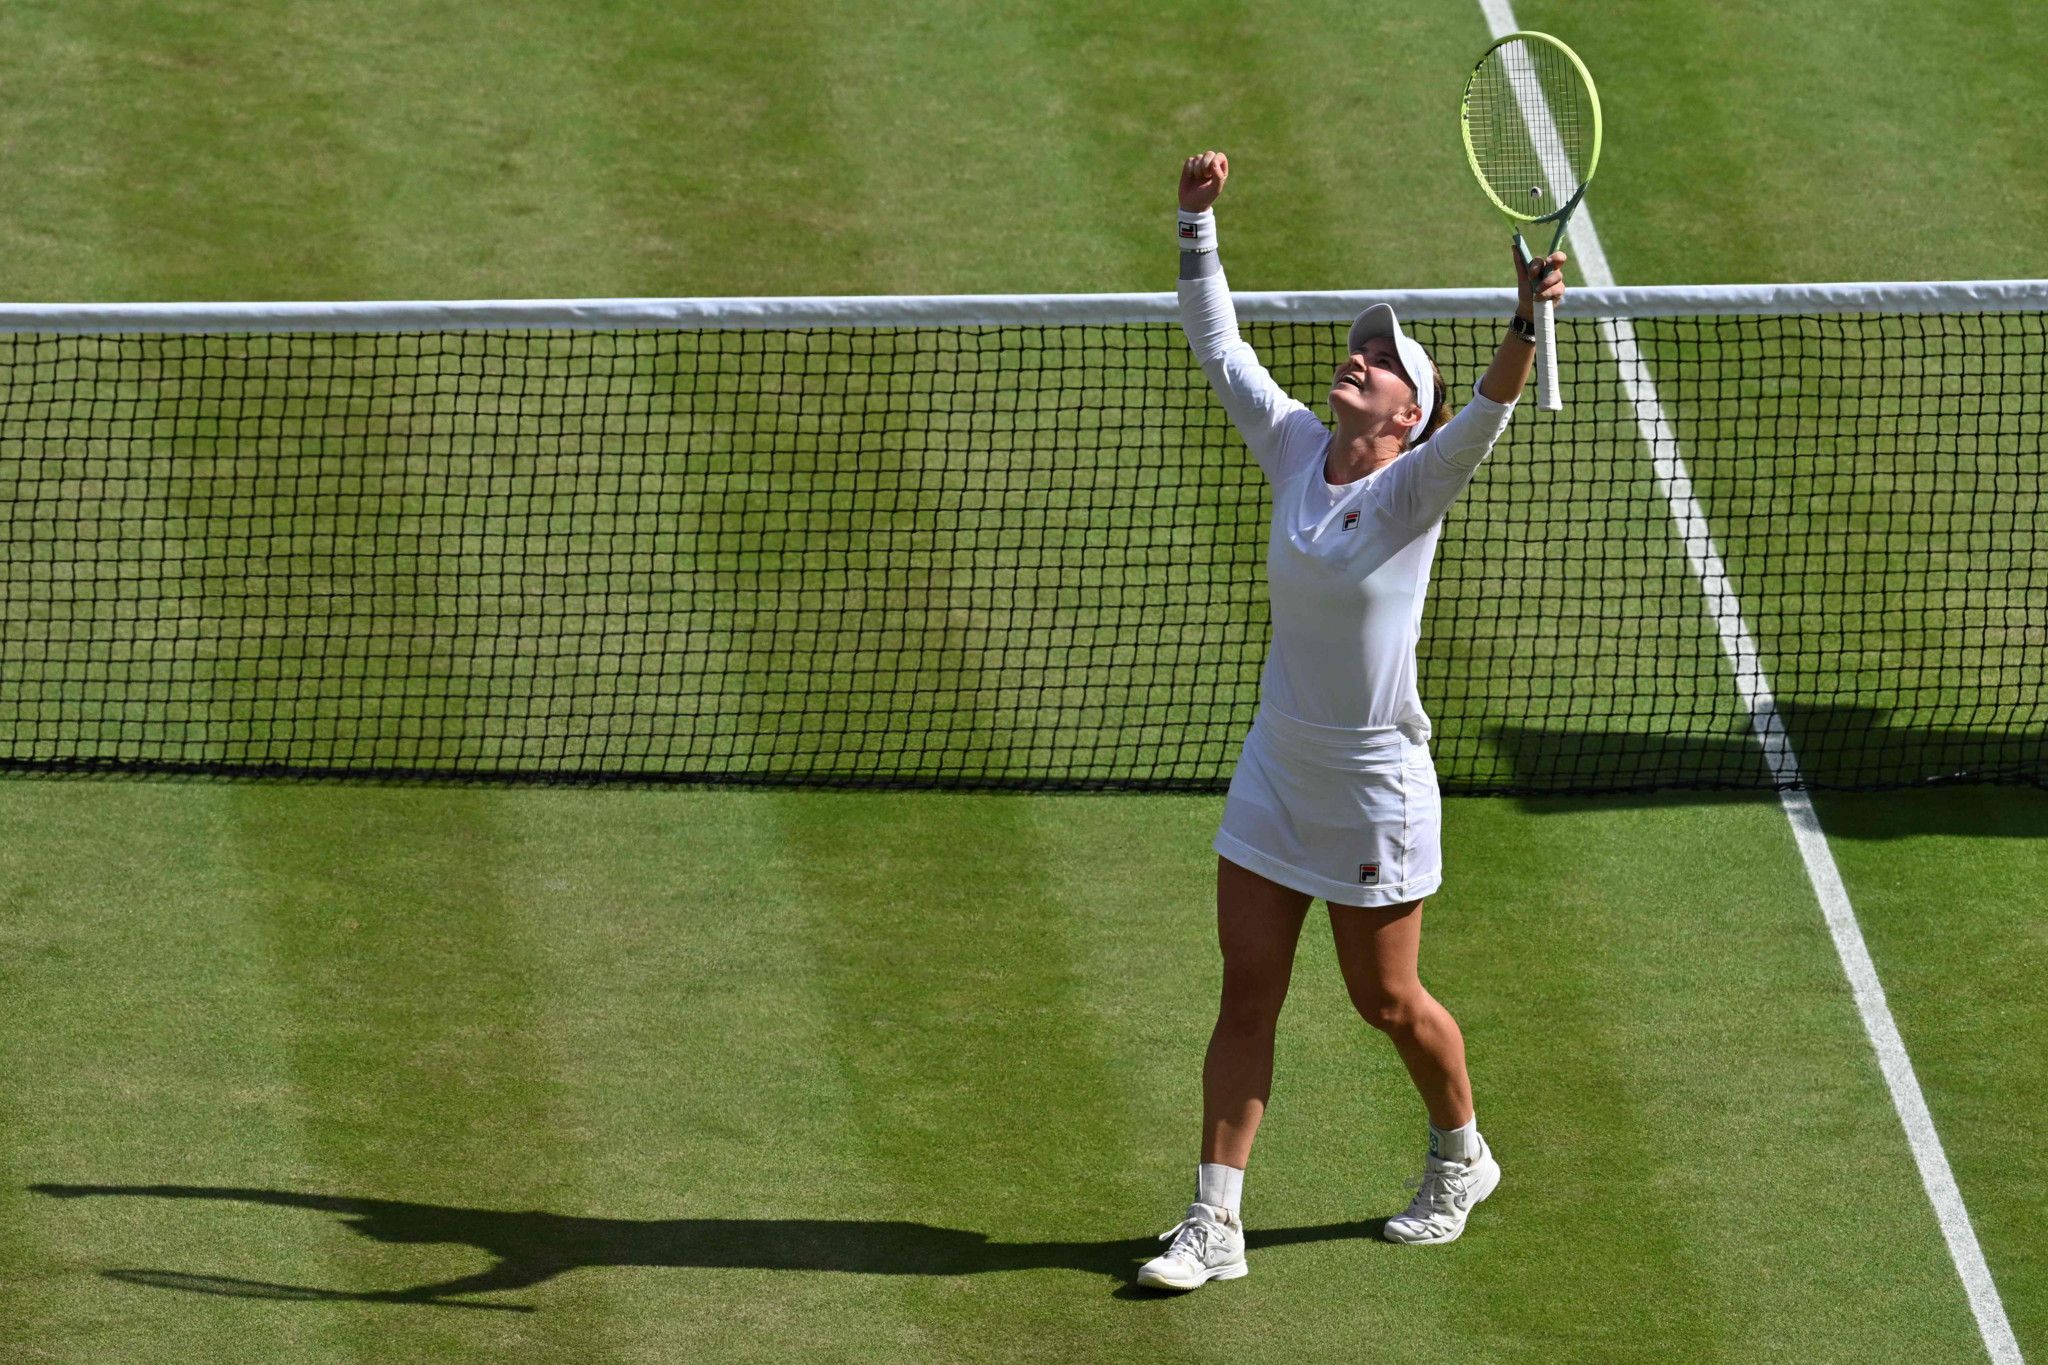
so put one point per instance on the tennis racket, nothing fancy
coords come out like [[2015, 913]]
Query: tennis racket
[[1531, 122]]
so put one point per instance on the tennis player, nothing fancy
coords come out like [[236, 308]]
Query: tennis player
[[1335, 796]]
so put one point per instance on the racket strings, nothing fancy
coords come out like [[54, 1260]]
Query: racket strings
[[1531, 126]]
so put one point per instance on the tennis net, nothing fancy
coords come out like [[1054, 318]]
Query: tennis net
[[998, 542]]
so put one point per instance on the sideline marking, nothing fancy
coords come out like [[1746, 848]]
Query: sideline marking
[[1740, 647]]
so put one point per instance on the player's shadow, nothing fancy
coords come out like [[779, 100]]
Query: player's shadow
[[532, 1248]]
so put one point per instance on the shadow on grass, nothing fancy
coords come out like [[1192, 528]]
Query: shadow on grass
[[532, 1248], [1986, 812], [1839, 748], [1844, 749]]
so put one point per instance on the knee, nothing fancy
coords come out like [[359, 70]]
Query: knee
[[1387, 1012]]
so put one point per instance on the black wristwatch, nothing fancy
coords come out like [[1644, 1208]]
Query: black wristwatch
[[1522, 327]]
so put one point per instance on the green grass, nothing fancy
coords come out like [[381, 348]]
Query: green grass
[[1813, 141], [618, 1039], [376, 150], [1947, 888], [771, 1076]]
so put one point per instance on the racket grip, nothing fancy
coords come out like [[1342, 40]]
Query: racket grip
[[1548, 397]]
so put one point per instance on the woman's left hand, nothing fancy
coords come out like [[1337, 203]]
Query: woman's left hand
[[1551, 286]]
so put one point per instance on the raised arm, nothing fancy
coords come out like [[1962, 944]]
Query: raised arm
[[1509, 373], [1420, 487], [1260, 408]]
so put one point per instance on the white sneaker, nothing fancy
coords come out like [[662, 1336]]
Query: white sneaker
[[1446, 1195], [1208, 1245]]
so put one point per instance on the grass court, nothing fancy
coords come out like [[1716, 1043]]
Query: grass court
[[335, 1072]]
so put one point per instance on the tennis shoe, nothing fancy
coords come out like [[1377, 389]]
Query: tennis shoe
[[1208, 1245], [1444, 1198]]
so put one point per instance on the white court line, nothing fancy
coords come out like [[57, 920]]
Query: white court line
[[1740, 647]]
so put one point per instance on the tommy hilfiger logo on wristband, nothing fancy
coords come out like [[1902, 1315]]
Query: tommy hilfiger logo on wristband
[[1369, 874]]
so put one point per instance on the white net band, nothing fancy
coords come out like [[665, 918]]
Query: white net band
[[995, 310]]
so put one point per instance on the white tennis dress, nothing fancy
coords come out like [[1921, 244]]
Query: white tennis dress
[[1334, 793]]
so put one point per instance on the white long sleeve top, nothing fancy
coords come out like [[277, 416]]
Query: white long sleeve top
[[1347, 566]]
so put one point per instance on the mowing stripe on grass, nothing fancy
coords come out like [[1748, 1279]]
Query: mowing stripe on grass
[[420, 1044], [1743, 658], [943, 953], [145, 1045]]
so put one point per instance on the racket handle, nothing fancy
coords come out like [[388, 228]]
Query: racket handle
[[1548, 397]]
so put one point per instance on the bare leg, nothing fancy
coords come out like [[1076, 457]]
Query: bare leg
[[1379, 949], [1258, 923]]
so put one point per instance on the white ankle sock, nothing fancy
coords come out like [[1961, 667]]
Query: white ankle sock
[[1456, 1144], [1221, 1186]]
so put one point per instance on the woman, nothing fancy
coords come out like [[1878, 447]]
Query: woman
[[1334, 794]]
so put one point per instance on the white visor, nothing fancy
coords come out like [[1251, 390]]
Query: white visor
[[1379, 321]]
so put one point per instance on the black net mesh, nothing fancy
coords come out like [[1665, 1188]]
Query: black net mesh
[[1014, 557]]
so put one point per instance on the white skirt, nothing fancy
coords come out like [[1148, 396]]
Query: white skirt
[[1351, 816]]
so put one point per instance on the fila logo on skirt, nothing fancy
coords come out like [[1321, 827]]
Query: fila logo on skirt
[[1369, 874]]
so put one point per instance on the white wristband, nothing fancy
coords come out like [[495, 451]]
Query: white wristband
[[1198, 230]]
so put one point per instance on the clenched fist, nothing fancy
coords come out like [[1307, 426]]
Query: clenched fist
[[1201, 180]]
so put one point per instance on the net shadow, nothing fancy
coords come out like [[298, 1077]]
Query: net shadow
[[1839, 747]]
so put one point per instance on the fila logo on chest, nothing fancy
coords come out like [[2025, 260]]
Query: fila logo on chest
[[1350, 520]]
